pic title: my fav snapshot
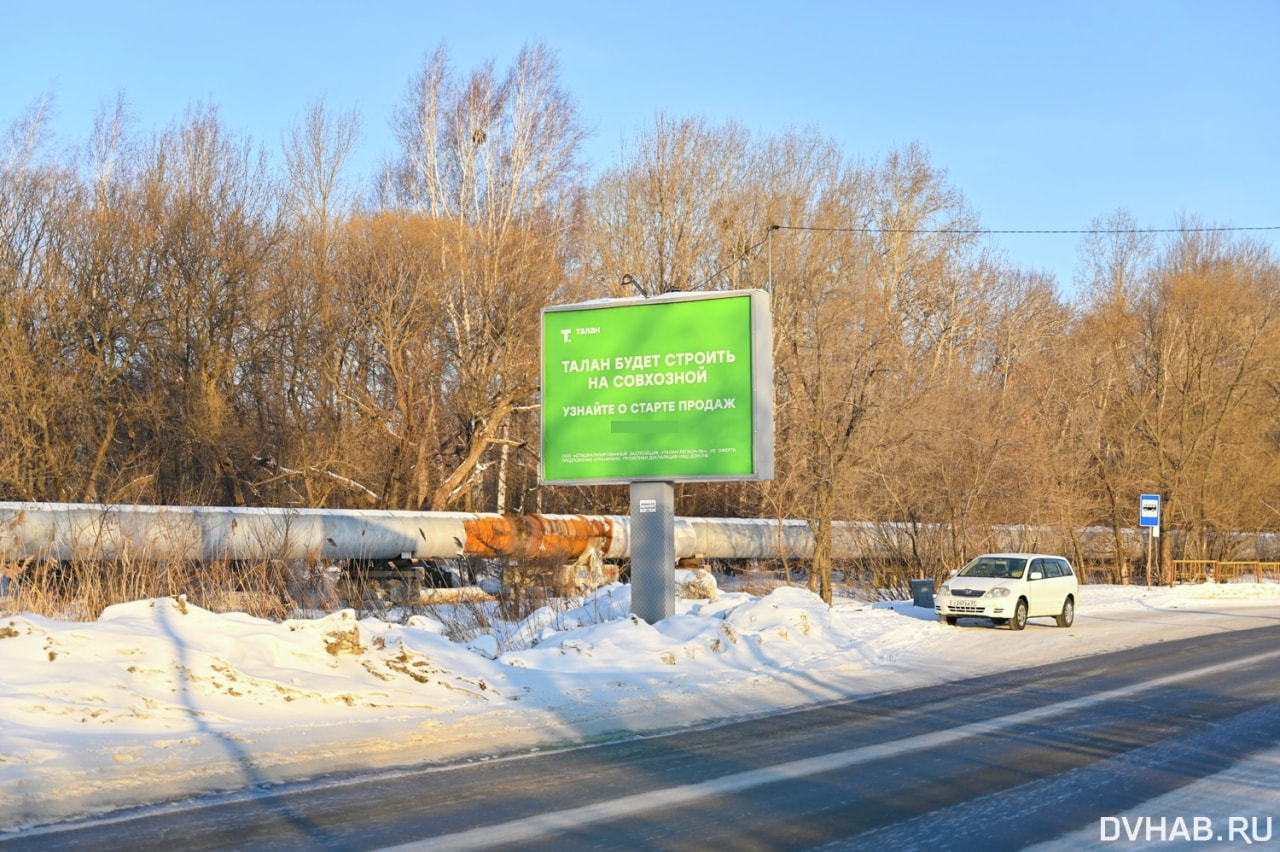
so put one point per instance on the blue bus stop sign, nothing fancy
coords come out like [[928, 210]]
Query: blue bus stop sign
[[1149, 510]]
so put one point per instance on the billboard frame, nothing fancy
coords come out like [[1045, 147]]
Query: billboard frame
[[661, 342]]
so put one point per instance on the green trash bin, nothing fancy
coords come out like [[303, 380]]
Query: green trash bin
[[922, 593]]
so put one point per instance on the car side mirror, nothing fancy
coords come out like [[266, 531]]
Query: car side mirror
[[1036, 575]]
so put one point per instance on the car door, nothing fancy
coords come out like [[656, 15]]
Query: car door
[[1069, 584], [1045, 588], [1037, 587]]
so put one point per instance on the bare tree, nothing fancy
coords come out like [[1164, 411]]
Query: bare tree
[[499, 156], [1205, 357], [1117, 258], [316, 154], [311, 455], [489, 150], [889, 288], [1180, 373], [660, 219], [38, 198], [207, 208]]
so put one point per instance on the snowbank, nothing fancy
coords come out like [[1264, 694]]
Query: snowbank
[[160, 699]]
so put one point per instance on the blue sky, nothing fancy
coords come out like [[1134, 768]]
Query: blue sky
[[1044, 116]]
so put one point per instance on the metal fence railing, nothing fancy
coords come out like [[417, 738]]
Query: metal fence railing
[[1222, 571]]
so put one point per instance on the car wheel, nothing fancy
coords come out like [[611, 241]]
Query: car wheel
[[949, 620], [1019, 619], [1068, 614]]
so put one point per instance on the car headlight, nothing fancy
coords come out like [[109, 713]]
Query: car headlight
[[945, 590], [998, 592]]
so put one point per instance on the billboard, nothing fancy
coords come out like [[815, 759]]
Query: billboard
[[676, 388]]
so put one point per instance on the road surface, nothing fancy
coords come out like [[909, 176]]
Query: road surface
[[997, 762]]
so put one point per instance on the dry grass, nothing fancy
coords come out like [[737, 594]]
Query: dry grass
[[80, 590]]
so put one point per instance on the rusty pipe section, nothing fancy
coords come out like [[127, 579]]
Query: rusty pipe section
[[69, 531], [562, 537]]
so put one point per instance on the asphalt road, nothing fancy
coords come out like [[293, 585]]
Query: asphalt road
[[997, 762]]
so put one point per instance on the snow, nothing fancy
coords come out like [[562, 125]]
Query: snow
[[159, 699]]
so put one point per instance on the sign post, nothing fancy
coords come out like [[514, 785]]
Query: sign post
[[650, 392], [653, 550], [1149, 519]]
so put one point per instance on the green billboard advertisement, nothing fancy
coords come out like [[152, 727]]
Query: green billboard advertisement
[[678, 387]]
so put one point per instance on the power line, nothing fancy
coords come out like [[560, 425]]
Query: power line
[[977, 231]]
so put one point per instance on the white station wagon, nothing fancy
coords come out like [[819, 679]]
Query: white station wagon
[[1009, 588]]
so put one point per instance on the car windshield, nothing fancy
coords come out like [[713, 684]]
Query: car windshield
[[1007, 567]]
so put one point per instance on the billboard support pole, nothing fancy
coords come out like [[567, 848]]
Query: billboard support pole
[[653, 550], [651, 392]]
